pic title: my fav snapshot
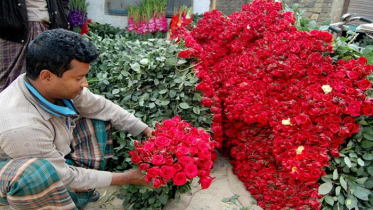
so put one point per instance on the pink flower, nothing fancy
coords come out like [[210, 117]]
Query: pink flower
[[179, 178], [191, 171], [158, 160], [205, 182], [167, 172]]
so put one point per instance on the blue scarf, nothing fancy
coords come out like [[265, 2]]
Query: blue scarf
[[69, 110]]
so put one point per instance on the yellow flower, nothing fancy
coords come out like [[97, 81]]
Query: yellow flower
[[299, 150], [327, 89], [286, 122], [294, 169]]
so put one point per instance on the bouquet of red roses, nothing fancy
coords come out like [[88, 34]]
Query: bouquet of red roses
[[176, 154]]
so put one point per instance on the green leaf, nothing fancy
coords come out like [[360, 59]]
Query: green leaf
[[164, 103], [361, 180], [163, 91], [135, 67], [226, 200], [184, 105], [151, 105], [338, 190], [360, 162], [325, 188], [368, 156], [144, 61], [362, 193], [366, 144], [335, 174], [369, 184], [171, 61], [181, 61], [115, 91], [347, 161], [350, 203], [368, 133], [343, 182], [329, 200], [172, 93]]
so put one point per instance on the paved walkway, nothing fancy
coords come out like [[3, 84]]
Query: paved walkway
[[225, 186]]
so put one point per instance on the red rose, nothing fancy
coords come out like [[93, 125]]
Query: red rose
[[169, 161], [167, 172], [177, 167], [335, 153], [185, 160], [353, 75], [153, 172], [367, 108], [180, 151], [205, 182], [149, 146], [157, 182], [162, 141], [179, 178], [186, 53], [144, 166], [191, 171], [334, 128], [158, 160], [354, 108], [364, 84]]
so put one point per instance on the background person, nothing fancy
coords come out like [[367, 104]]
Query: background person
[[21, 22]]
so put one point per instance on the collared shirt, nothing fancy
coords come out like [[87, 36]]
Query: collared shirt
[[27, 130]]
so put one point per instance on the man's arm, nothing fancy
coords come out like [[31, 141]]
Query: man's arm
[[97, 107]]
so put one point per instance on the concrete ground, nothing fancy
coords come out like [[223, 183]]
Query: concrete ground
[[225, 186]]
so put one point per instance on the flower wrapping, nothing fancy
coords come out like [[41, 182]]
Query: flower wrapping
[[176, 154]]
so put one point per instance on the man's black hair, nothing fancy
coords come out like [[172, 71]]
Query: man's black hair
[[54, 50]]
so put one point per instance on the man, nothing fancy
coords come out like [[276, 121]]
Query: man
[[37, 120]]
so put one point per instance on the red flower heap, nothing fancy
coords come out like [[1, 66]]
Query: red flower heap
[[177, 153], [281, 106]]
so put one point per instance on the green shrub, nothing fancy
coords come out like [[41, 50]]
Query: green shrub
[[146, 78]]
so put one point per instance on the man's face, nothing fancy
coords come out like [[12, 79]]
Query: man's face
[[71, 83]]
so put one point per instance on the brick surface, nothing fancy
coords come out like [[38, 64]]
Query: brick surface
[[320, 8]]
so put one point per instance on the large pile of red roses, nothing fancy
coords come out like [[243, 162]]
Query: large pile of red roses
[[281, 106]]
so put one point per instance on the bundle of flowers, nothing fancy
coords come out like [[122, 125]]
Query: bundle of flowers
[[175, 155], [78, 15], [148, 17], [85, 28], [281, 105], [181, 20]]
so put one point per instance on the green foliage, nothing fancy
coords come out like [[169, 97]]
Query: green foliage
[[345, 49], [144, 198], [146, 78]]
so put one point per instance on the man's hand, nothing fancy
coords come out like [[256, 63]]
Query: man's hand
[[130, 177], [148, 132]]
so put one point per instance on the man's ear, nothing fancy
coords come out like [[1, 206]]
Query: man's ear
[[45, 76]]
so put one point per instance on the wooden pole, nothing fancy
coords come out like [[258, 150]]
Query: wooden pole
[[213, 4]]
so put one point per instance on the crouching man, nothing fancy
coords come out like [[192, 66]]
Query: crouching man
[[55, 133]]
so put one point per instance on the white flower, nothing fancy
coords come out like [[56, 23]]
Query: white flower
[[248, 26], [299, 150], [327, 89], [286, 122]]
